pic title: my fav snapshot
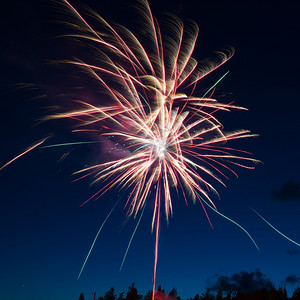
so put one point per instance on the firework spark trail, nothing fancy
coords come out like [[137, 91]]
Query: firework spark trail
[[95, 239], [132, 236], [25, 152], [286, 237], [232, 221], [68, 144]]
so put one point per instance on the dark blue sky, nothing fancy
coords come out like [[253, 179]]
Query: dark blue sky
[[45, 234]]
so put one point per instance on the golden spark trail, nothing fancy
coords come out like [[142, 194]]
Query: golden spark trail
[[24, 152]]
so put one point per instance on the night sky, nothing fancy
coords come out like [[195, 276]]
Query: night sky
[[45, 234]]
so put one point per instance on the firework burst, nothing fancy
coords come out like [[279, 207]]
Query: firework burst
[[172, 137], [174, 140]]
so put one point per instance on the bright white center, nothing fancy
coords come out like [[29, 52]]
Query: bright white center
[[160, 148]]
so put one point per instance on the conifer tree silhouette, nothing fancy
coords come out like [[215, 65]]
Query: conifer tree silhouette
[[110, 295], [296, 294], [81, 297], [132, 293]]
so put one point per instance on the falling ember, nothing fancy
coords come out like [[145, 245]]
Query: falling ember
[[172, 137]]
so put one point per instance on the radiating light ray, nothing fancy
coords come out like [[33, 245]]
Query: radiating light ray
[[215, 84], [95, 239], [286, 237], [68, 144], [157, 219], [132, 236], [25, 152]]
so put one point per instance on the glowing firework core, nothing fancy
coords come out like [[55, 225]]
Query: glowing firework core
[[161, 148]]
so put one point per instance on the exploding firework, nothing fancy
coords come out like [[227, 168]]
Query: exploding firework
[[171, 137]]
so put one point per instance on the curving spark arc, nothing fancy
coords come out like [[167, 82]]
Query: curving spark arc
[[172, 137], [273, 227]]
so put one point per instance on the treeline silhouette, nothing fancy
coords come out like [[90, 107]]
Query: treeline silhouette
[[265, 293]]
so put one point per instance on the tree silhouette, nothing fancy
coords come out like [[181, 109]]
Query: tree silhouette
[[132, 293], [228, 296], [148, 296], [220, 294], [81, 297], [197, 297], [160, 294], [121, 296], [110, 295], [207, 296], [285, 293], [173, 294], [239, 295], [277, 294], [262, 293], [296, 294]]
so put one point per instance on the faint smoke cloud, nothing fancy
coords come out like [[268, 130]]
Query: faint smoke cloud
[[292, 251], [246, 281], [292, 279], [289, 191]]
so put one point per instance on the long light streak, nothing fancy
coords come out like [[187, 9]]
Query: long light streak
[[132, 236], [25, 152], [95, 239], [283, 235]]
